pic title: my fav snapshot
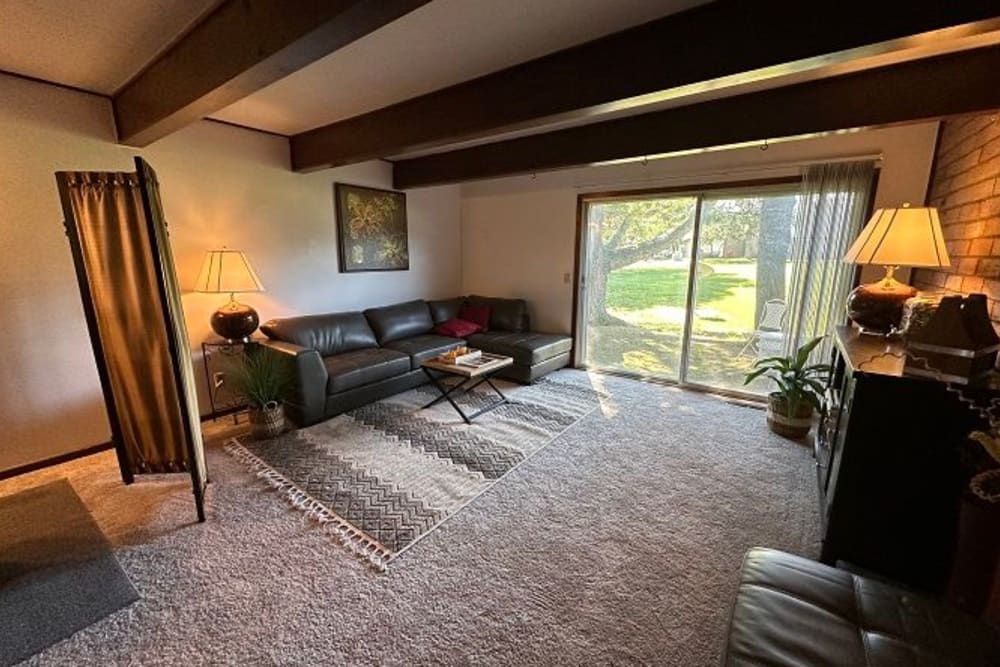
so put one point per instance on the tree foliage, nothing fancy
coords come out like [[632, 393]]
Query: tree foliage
[[726, 219], [631, 231], [640, 229]]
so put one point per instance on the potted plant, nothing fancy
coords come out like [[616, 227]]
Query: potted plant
[[262, 378], [801, 386]]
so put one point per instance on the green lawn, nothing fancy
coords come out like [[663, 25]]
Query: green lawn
[[653, 295], [650, 298]]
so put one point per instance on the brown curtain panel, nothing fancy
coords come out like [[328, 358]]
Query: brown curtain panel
[[184, 368], [123, 278]]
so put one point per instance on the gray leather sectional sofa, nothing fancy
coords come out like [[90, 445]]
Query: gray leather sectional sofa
[[341, 361]]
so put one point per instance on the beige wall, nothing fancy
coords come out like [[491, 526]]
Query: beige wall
[[519, 233], [219, 185]]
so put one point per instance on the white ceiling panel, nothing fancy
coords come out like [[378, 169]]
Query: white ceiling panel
[[96, 46]]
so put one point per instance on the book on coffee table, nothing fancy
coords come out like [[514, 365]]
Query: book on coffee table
[[481, 360], [485, 365]]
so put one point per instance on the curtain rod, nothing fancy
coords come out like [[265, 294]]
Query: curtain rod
[[694, 176]]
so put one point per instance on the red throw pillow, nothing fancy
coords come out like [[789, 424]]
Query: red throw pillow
[[476, 314], [456, 328]]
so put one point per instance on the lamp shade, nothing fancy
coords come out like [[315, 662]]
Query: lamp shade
[[906, 236], [227, 271]]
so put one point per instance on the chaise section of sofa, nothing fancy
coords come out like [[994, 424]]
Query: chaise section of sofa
[[340, 361], [509, 334]]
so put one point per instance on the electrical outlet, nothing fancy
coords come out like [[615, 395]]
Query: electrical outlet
[[567, 277]]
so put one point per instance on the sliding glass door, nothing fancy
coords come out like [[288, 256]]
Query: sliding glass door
[[637, 284], [689, 288], [741, 292]]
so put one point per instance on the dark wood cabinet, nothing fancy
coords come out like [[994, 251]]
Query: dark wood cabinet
[[891, 463]]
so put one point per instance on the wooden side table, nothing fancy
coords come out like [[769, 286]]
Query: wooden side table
[[221, 359]]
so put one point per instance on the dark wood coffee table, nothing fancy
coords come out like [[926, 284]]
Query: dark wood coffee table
[[470, 377]]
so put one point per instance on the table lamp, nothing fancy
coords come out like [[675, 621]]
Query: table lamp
[[894, 237], [230, 271]]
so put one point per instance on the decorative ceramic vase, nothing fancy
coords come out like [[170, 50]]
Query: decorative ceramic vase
[[267, 421], [878, 307], [235, 321], [796, 426]]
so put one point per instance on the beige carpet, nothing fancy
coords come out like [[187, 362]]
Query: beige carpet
[[637, 518]]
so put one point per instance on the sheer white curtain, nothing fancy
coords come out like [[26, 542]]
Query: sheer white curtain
[[831, 212]]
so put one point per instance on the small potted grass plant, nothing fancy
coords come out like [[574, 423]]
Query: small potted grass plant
[[263, 379], [800, 385]]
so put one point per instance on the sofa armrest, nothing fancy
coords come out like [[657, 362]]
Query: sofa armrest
[[305, 401]]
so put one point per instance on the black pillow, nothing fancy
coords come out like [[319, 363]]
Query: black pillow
[[445, 309], [505, 314]]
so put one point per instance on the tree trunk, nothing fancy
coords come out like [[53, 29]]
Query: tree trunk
[[597, 293], [606, 257], [734, 247], [597, 273], [775, 238]]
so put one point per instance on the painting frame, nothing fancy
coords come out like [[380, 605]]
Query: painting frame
[[372, 229]]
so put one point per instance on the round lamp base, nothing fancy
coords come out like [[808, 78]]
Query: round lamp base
[[878, 307], [235, 321]]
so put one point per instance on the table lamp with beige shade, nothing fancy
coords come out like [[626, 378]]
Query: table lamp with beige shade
[[894, 237], [229, 271]]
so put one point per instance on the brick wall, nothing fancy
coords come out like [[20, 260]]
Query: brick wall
[[965, 187]]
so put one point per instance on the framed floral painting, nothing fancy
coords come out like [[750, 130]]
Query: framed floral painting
[[371, 229]]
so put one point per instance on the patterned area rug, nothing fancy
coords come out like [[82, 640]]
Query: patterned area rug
[[383, 476]]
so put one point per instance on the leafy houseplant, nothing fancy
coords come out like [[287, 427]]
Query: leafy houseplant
[[263, 379], [801, 386]]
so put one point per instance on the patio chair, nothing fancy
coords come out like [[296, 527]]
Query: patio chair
[[768, 340]]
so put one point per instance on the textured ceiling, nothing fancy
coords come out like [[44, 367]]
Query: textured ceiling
[[97, 46], [440, 44]]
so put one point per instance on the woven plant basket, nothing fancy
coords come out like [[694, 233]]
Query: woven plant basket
[[986, 485], [797, 426], [267, 421]]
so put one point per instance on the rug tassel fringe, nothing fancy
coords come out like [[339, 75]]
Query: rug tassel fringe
[[350, 537]]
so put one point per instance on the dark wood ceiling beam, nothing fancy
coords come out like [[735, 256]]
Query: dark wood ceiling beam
[[723, 38], [932, 88], [237, 49]]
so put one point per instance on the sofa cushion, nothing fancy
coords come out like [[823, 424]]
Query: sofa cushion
[[422, 348], [794, 611], [400, 320], [361, 367], [527, 349], [505, 314], [457, 328], [478, 314], [331, 333], [445, 309]]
